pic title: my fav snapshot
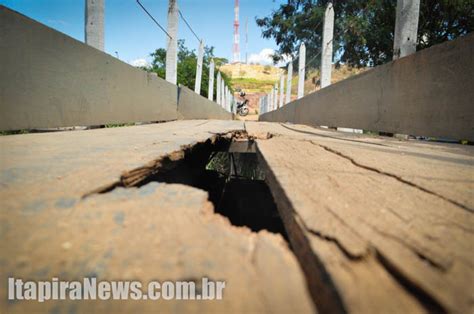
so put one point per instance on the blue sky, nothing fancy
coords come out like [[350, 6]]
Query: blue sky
[[130, 32]]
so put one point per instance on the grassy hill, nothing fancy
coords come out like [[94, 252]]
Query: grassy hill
[[253, 78], [260, 79]]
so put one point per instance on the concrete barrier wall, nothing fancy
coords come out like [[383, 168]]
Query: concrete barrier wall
[[194, 106], [48, 79], [429, 93]]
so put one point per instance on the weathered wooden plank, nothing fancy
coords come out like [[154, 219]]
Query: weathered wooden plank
[[429, 93], [442, 169], [155, 232], [72, 164], [49, 79], [410, 248]]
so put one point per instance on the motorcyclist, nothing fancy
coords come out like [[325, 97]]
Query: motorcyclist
[[241, 104]]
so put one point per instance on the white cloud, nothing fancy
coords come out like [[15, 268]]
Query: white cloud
[[264, 57], [139, 62]]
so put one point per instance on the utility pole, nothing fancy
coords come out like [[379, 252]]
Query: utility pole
[[327, 46], [172, 43], [210, 92], [301, 70], [288, 82], [94, 24], [197, 83], [406, 28]]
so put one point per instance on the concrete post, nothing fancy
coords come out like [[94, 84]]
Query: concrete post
[[197, 83], [94, 24], [172, 43], [301, 70], [218, 88], [406, 28], [226, 98], [222, 93], [282, 91], [210, 92], [270, 100], [275, 99], [288, 82], [327, 45]]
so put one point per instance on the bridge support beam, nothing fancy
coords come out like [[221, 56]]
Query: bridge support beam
[[172, 43], [301, 70], [406, 28], [327, 46]]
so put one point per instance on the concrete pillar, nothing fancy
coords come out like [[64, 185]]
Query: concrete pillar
[[270, 100], [222, 93], [172, 43], [218, 88], [226, 98], [275, 99], [288, 82], [94, 24], [210, 92], [234, 106], [406, 28], [197, 83], [327, 45], [301, 70], [282, 91]]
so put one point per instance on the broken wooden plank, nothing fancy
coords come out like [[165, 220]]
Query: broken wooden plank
[[70, 165], [405, 248], [155, 232]]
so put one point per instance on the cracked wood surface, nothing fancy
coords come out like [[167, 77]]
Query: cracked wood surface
[[381, 225], [155, 232]]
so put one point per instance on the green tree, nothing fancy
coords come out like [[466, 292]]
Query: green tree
[[187, 62], [364, 29]]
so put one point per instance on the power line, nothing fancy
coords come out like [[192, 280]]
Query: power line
[[154, 20], [189, 26]]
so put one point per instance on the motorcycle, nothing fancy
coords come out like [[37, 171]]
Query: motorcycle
[[242, 107]]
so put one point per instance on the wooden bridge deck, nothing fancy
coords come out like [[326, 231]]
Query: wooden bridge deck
[[375, 224]]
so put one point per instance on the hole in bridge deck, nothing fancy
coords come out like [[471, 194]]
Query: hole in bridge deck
[[234, 180]]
